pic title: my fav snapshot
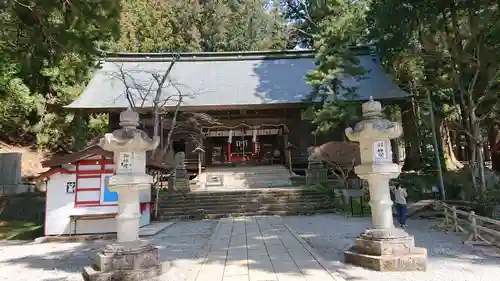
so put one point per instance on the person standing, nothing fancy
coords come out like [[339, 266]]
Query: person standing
[[400, 196], [436, 192]]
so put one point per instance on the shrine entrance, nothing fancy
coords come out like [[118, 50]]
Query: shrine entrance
[[245, 145]]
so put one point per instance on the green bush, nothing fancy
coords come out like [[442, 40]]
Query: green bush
[[418, 186], [458, 185], [329, 190], [486, 202], [332, 192]]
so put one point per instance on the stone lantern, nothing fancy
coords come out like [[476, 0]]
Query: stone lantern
[[289, 147], [382, 247], [128, 258], [199, 151]]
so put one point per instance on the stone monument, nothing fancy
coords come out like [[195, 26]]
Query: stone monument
[[128, 258], [316, 171], [181, 182], [382, 247]]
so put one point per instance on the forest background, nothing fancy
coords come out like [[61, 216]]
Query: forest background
[[444, 53]]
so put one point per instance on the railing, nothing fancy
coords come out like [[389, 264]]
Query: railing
[[480, 230]]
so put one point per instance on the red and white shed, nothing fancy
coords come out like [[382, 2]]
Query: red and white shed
[[78, 200]]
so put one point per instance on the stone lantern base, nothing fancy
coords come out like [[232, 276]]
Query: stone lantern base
[[125, 262], [387, 250]]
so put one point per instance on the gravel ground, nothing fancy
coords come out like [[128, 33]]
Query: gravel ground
[[182, 244], [449, 258]]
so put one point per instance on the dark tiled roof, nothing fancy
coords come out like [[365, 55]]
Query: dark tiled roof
[[229, 78]]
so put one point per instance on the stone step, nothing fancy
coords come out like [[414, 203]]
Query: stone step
[[269, 192], [211, 204], [239, 209], [239, 195], [256, 213], [237, 205], [241, 198], [247, 168], [254, 205], [200, 204], [225, 201], [219, 203], [256, 176]]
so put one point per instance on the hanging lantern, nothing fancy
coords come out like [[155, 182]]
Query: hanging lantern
[[254, 136], [230, 138]]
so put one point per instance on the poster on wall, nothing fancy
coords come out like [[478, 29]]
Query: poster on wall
[[108, 196], [70, 187]]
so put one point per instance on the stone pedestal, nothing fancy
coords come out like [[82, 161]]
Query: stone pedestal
[[381, 247], [128, 258], [387, 250], [125, 262]]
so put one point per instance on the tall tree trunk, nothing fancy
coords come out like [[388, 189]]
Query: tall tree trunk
[[413, 159], [450, 160], [395, 151], [494, 139]]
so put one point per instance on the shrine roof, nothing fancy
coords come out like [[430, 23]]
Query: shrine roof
[[222, 79], [73, 158]]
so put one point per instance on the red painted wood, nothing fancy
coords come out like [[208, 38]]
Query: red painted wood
[[96, 176], [76, 184], [87, 203], [87, 189], [92, 205], [94, 172], [89, 162]]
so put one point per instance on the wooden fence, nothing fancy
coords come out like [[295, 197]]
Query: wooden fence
[[480, 230]]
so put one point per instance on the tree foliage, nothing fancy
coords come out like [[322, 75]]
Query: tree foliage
[[333, 29], [50, 48], [210, 26], [445, 50]]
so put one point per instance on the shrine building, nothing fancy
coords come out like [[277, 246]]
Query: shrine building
[[257, 99]]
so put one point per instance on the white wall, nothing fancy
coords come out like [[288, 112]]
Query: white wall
[[60, 205]]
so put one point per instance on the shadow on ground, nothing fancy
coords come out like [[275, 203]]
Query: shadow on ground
[[184, 244], [449, 258]]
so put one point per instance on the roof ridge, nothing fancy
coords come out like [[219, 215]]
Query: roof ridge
[[221, 56], [207, 54]]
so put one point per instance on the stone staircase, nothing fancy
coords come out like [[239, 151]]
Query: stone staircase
[[211, 205], [244, 177]]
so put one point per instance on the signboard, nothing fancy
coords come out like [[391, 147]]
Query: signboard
[[380, 150], [107, 196], [125, 162]]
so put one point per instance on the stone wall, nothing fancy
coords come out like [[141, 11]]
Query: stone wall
[[10, 174]]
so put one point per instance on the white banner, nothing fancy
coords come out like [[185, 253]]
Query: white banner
[[250, 132]]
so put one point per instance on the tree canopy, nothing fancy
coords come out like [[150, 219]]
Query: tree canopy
[[445, 51], [50, 48]]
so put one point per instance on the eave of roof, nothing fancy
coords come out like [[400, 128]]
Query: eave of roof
[[207, 56], [73, 158]]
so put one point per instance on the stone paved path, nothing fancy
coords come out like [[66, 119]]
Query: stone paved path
[[449, 258], [259, 249], [185, 245]]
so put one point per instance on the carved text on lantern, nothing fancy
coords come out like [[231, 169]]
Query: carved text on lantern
[[380, 150]]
